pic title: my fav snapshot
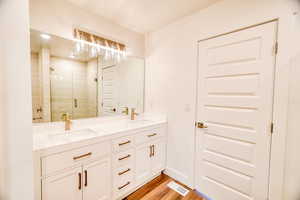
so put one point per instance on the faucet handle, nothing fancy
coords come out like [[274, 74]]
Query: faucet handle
[[65, 116], [126, 111], [133, 111]]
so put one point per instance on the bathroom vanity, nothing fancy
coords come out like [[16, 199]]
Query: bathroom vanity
[[99, 159], [109, 154]]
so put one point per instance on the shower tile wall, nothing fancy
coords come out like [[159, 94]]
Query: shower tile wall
[[68, 84], [92, 71], [36, 88]]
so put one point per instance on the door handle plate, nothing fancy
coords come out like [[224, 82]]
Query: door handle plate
[[201, 125]]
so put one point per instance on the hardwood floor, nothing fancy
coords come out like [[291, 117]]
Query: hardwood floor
[[157, 189]]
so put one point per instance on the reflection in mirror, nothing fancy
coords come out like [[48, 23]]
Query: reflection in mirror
[[82, 84]]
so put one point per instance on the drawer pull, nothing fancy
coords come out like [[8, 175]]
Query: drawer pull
[[125, 157], [124, 172], [120, 188], [152, 135], [121, 144], [150, 155], [79, 181], [152, 151], [82, 156]]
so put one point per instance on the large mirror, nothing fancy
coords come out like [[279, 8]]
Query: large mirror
[[82, 84]]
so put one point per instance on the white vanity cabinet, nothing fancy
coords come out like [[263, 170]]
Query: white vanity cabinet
[[150, 160], [107, 168], [96, 180], [137, 158], [90, 182], [62, 186], [79, 174]]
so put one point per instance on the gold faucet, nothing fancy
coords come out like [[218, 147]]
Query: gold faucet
[[126, 111], [67, 119], [133, 114]]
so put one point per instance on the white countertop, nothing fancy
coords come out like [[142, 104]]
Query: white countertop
[[48, 135]]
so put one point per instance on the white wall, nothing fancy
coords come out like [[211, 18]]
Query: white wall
[[60, 17], [16, 174], [292, 170], [171, 67]]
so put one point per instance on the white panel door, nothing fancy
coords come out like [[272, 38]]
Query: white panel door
[[235, 99], [109, 90], [96, 180], [67, 186], [143, 163]]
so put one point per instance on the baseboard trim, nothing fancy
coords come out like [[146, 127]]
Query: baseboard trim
[[178, 176], [203, 195]]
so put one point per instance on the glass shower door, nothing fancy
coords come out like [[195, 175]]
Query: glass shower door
[[61, 93]]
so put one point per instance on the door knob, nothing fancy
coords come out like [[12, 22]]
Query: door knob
[[201, 125]]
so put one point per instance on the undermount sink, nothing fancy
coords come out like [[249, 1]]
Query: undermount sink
[[121, 125], [141, 121], [74, 134]]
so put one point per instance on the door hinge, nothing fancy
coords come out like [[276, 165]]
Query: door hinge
[[272, 128], [276, 48]]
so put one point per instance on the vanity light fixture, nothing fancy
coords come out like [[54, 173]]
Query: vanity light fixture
[[93, 45], [45, 36]]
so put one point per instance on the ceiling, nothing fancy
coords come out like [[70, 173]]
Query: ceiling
[[143, 15], [59, 47]]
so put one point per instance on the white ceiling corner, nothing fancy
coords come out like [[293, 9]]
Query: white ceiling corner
[[143, 15]]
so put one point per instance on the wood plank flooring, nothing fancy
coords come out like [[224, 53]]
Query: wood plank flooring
[[157, 189]]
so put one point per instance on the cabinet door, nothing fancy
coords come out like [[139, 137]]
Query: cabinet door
[[143, 163], [97, 180], [66, 185], [158, 159]]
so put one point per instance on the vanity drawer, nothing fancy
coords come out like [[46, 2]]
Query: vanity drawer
[[123, 143], [123, 174], [67, 159], [123, 158], [123, 186], [146, 136]]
